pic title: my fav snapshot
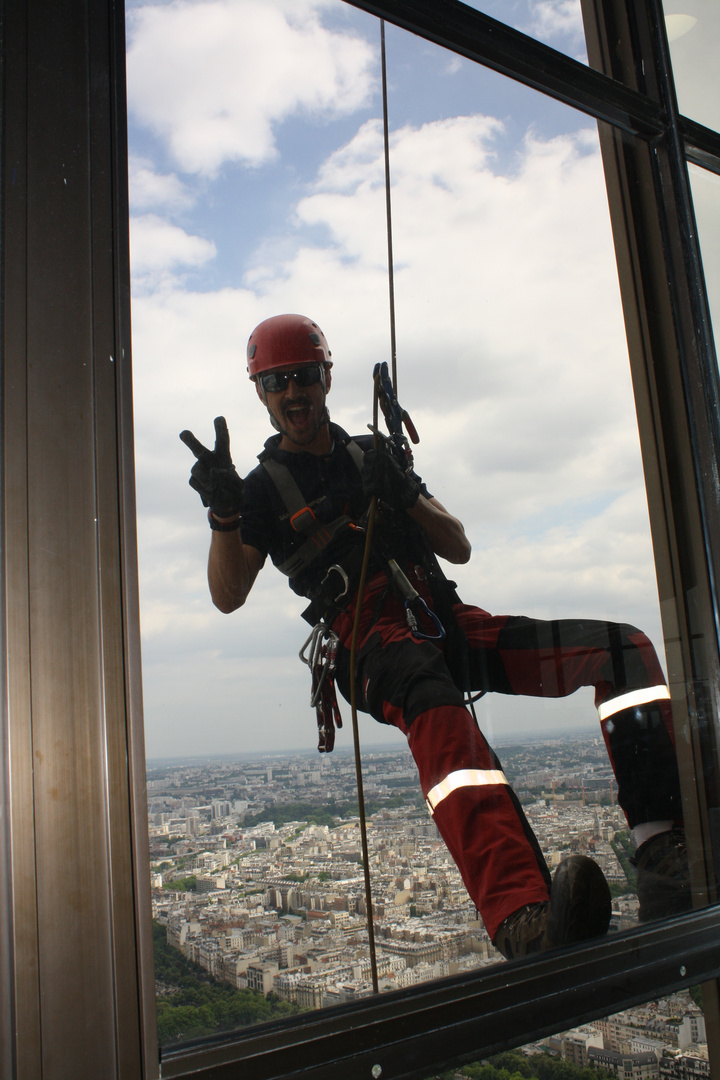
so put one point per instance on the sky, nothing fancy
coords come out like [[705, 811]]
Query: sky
[[257, 187]]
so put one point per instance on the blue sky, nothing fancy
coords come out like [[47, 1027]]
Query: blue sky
[[257, 187]]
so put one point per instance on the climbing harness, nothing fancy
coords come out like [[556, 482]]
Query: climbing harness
[[303, 519], [319, 651]]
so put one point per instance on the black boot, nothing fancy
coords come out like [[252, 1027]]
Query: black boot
[[579, 908], [663, 876]]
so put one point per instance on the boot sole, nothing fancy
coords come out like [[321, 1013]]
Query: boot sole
[[580, 903]]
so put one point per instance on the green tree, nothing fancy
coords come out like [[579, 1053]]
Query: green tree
[[185, 884], [513, 1061], [621, 846], [197, 1004]]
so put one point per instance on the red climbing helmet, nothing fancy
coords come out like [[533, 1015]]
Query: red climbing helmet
[[285, 341]]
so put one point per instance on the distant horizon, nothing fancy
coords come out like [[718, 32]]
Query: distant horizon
[[510, 739]]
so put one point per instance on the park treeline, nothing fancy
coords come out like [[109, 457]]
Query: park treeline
[[326, 813], [190, 1003], [512, 1065]]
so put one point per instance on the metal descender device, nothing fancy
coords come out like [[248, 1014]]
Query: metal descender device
[[396, 418], [319, 652]]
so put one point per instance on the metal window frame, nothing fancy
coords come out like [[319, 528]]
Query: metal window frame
[[75, 948]]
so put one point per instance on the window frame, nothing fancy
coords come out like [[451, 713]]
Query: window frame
[[67, 441]]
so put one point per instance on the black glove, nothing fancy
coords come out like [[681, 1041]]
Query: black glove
[[382, 475], [213, 475]]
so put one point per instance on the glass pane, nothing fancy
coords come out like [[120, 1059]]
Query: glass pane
[[257, 188], [557, 23], [706, 199], [632, 1043], [693, 28]]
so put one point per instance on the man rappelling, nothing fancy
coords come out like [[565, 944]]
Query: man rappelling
[[417, 649]]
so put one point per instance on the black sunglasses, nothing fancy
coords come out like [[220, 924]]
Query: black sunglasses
[[275, 381]]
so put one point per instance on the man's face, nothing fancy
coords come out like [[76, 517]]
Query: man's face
[[298, 410]]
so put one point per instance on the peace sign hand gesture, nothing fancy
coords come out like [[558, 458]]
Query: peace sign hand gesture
[[213, 475]]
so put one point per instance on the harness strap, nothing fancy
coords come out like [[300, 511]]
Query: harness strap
[[302, 517], [284, 481], [321, 536]]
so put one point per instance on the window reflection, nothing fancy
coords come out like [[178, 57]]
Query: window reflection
[[706, 200], [665, 1037], [693, 28], [253, 198]]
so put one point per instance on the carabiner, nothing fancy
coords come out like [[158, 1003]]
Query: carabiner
[[414, 625], [322, 659], [411, 597]]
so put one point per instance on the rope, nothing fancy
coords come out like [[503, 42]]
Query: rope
[[355, 727], [369, 532], [388, 208], [470, 700]]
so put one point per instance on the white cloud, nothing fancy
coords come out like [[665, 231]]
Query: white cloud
[[189, 351], [158, 249], [198, 75], [554, 19], [512, 363], [508, 310], [149, 189]]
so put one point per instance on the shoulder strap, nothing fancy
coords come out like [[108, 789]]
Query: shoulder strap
[[286, 485], [356, 453]]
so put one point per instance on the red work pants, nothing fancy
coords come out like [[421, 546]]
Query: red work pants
[[406, 683]]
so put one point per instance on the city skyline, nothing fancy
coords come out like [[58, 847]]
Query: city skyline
[[256, 878]]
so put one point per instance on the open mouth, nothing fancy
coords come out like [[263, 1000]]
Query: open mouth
[[298, 414]]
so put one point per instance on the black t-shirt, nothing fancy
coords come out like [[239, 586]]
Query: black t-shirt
[[331, 487]]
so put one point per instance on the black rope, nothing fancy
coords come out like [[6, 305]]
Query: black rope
[[355, 726], [470, 699], [369, 532], [388, 208]]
